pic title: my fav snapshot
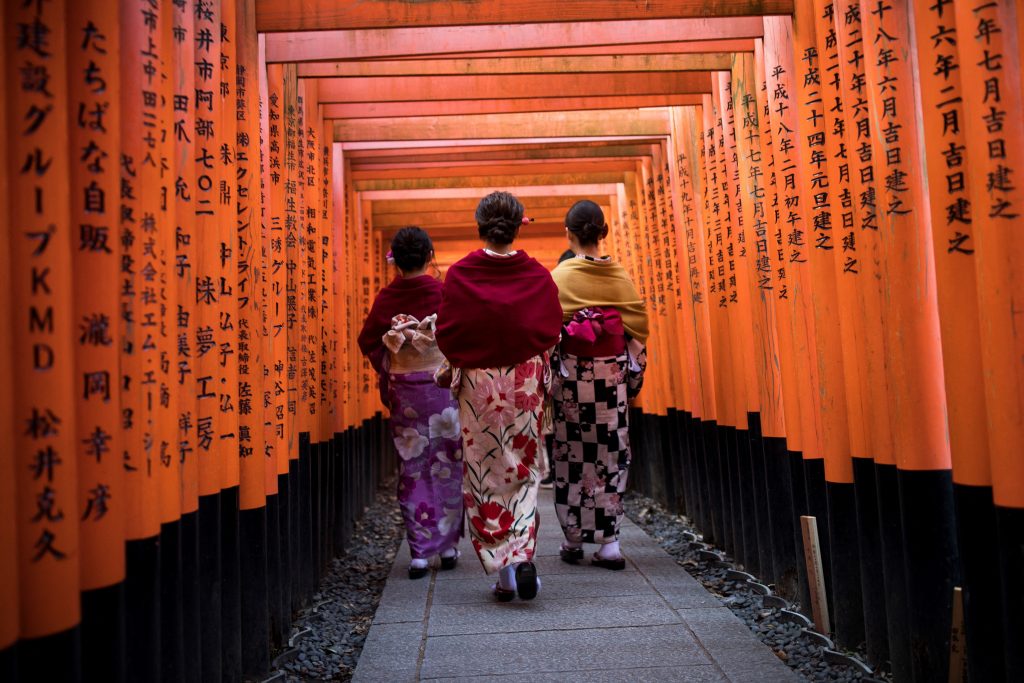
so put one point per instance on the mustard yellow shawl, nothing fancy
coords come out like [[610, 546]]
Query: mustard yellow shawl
[[583, 283]]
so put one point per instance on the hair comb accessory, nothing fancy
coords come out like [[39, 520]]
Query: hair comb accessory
[[390, 257]]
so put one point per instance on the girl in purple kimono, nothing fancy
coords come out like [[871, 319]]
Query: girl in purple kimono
[[398, 340]]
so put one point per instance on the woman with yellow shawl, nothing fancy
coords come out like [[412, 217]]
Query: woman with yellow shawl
[[599, 368]]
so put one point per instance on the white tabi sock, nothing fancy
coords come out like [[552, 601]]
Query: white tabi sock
[[507, 577]]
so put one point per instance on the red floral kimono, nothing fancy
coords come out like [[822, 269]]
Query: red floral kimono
[[501, 411]]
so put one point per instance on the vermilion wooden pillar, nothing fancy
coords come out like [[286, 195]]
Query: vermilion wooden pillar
[[822, 178], [9, 595], [774, 530], [252, 523], [226, 107], [916, 390], [989, 44], [277, 359], [208, 272], [947, 163], [872, 506], [42, 380], [185, 363], [94, 43], [792, 242], [143, 222]]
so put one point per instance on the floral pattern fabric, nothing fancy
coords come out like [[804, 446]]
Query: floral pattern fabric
[[591, 451], [501, 412], [425, 427]]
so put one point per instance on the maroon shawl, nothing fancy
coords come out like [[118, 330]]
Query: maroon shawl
[[417, 296], [497, 311]]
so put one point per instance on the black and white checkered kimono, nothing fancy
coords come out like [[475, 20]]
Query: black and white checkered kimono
[[591, 450]]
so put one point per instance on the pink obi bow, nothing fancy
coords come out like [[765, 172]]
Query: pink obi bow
[[589, 324], [405, 329]]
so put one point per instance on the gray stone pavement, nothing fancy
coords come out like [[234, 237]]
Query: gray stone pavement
[[650, 622]]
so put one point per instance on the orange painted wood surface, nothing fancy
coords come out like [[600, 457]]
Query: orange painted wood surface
[[226, 211], [703, 61], [868, 296], [759, 225], [994, 133], [414, 88], [307, 15], [916, 389], [820, 186], [945, 140], [792, 239], [142, 222], [186, 254], [678, 47], [369, 110], [248, 246]]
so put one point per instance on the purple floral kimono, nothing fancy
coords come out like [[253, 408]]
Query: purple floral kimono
[[426, 432]]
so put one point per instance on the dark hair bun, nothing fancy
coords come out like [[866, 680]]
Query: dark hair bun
[[498, 217], [585, 220], [411, 247]]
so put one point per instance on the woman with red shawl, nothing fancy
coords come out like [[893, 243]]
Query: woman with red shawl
[[398, 339], [498, 320]]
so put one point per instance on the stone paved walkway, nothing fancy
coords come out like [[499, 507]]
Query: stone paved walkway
[[650, 622]]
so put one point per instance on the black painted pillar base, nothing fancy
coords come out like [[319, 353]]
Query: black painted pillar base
[[1010, 523], [872, 578], [103, 637], [762, 525], [713, 441], [848, 612], [142, 609], [191, 621], [9, 663], [255, 626], [782, 518], [293, 547], [932, 566], [978, 540], [209, 587], [305, 507], [53, 659], [798, 482], [277, 612], [284, 496], [231, 589], [894, 571], [747, 509], [726, 477], [668, 456], [172, 654], [817, 507]]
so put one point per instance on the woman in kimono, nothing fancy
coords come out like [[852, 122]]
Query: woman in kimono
[[598, 369], [398, 339], [498, 320]]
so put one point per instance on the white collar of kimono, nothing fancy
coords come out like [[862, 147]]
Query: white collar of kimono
[[497, 255]]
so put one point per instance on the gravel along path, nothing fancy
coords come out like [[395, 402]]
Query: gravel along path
[[804, 652], [328, 636]]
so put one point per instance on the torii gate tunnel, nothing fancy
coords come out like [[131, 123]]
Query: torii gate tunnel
[[819, 200]]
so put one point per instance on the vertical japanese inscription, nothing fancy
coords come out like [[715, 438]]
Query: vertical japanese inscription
[[41, 308], [208, 268], [186, 243], [93, 48], [249, 250]]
